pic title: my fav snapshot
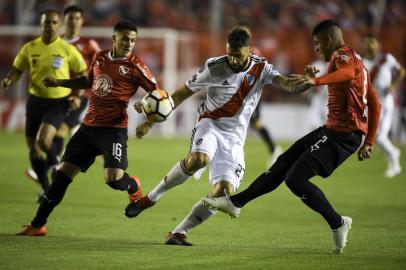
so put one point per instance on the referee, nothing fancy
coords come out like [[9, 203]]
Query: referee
[[47, 55]]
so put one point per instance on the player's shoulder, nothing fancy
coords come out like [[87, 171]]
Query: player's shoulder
[[258, 59], [345, 54], [216, 61]]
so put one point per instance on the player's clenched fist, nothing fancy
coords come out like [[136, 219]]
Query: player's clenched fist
[[5, 83]]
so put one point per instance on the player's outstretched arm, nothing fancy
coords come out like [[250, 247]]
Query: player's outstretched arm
[[11, 78], [180, 95], [77, 83], [290, 85]]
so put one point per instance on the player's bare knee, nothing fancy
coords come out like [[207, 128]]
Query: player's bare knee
[[222, 188], [196, 161]]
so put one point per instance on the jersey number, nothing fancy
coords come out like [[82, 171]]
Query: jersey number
[[117, 151]]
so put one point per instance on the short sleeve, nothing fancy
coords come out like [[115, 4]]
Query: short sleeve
[[200, 80], [21, 61], [77, 63], [269, 72], [144, 78]]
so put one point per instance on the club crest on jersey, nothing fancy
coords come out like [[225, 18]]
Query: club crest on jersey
[[103, 85], [250, 79], [344, 57], [123, 70], [57, 62]]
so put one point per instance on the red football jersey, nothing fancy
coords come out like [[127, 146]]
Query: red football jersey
[[347, 101], [115, 80]]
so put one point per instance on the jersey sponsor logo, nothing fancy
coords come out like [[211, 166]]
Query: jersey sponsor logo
[[226, 83], [316, 146], [250, 79], [57, 62], [104, 85], [123, 70]]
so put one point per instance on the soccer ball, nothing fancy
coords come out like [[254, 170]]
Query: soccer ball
[[157, 105]]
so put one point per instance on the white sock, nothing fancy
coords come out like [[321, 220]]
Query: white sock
[[175, 176], [196, 216]]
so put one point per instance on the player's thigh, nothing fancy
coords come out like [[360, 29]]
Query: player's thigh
[[113, 145], [331, 151], [80, 150], [204, 139], [297, 149], [228, 164]]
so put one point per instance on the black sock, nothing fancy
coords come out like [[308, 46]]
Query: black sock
[[298, 182], [263, 132], [124, 183], [57, 144], [40, 168], [52, 157], [52, 198], [265, 183]]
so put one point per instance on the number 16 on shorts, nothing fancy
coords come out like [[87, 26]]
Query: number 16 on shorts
[[117, 151]]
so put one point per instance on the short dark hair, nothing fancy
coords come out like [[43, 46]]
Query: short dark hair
[[324, 26], [125, 25], [49, 11], [72, 8], [238, 37]]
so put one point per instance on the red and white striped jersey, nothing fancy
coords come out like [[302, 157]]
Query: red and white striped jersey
[[231, 96]]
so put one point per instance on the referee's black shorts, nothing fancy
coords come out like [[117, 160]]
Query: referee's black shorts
[[44, 110], [322, 149]]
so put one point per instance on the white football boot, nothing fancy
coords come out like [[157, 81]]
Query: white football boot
[[340, 235], [222, 204]]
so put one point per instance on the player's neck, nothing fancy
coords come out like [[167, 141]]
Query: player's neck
[[69, 35]]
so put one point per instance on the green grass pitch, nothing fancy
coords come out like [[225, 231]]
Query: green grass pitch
[[89, 231]]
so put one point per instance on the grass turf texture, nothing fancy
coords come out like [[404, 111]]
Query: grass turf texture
[[89, 231]]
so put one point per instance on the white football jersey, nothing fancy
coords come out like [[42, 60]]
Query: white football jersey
[[231, 96], [384, 65]]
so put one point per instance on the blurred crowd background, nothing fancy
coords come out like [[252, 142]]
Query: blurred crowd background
[[281, 28]]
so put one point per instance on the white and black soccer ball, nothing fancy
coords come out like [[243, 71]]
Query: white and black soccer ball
[[157, 105]]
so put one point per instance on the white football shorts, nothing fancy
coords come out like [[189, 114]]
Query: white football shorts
[[226, 153]]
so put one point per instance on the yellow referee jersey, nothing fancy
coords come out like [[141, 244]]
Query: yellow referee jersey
[[56, 59]]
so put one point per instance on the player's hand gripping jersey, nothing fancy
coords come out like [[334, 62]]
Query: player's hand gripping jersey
[[348, 100], [114, 82], [231, 96]]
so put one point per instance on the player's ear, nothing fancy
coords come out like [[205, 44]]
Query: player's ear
[[113, 37]]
